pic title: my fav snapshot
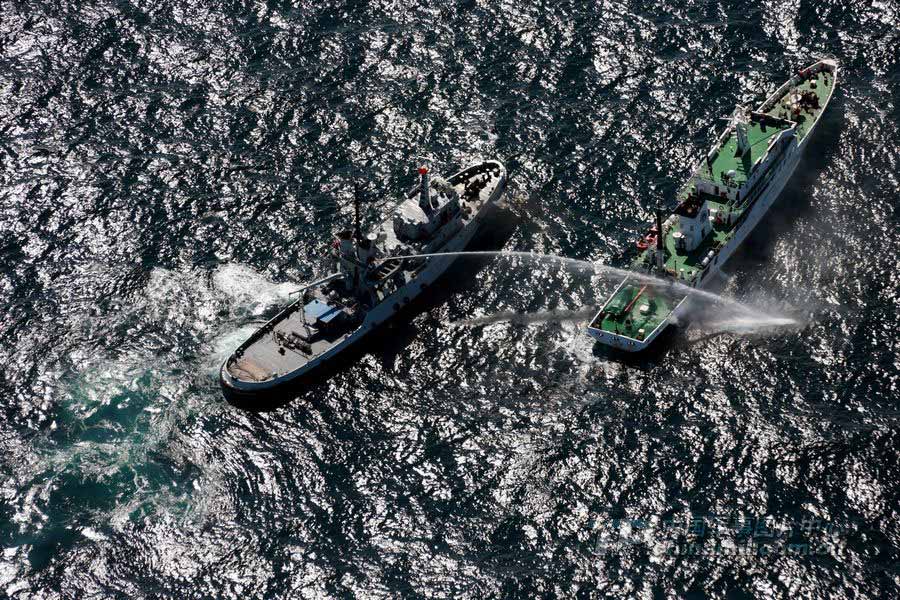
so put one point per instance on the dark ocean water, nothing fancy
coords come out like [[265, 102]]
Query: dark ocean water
[[170, 171]]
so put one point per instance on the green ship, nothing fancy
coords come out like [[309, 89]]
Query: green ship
[[727, 195]]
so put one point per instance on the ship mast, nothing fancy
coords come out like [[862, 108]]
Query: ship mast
[[739, 121], [660, 259], [357, 236], [743, 143]]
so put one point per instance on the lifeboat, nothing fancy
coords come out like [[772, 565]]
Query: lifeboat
[[648, 240]]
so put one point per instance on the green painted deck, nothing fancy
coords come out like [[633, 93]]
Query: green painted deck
[[616, 320], [759, 136], [661, 302]]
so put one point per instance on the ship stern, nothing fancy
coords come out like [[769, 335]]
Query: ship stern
[[634, 315]]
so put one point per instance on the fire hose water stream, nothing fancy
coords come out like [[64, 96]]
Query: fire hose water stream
[[720, 313]]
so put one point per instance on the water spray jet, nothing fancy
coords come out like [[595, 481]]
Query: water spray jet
[[744, 318]]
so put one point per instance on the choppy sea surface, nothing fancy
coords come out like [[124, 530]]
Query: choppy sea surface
[[169, 172]]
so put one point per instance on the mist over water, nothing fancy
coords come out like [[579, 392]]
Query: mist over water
[[169, 173]]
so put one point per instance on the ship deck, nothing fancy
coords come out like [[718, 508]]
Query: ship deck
[[635, 307], [824, 84], [759, 135], [269, 355]]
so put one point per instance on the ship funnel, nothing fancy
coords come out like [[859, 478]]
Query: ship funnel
[[425, 190]]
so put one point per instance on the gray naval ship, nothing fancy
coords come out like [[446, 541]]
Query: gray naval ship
[[375, 277]]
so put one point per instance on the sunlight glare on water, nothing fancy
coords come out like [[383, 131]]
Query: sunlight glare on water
[[170, 173]]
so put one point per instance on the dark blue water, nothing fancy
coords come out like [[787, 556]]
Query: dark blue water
[[169, 171]]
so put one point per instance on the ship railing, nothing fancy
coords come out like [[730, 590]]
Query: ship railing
[[597, 323], [387, 276], [817, 67]]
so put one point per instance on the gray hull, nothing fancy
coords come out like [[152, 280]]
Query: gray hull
[[291, 369]]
